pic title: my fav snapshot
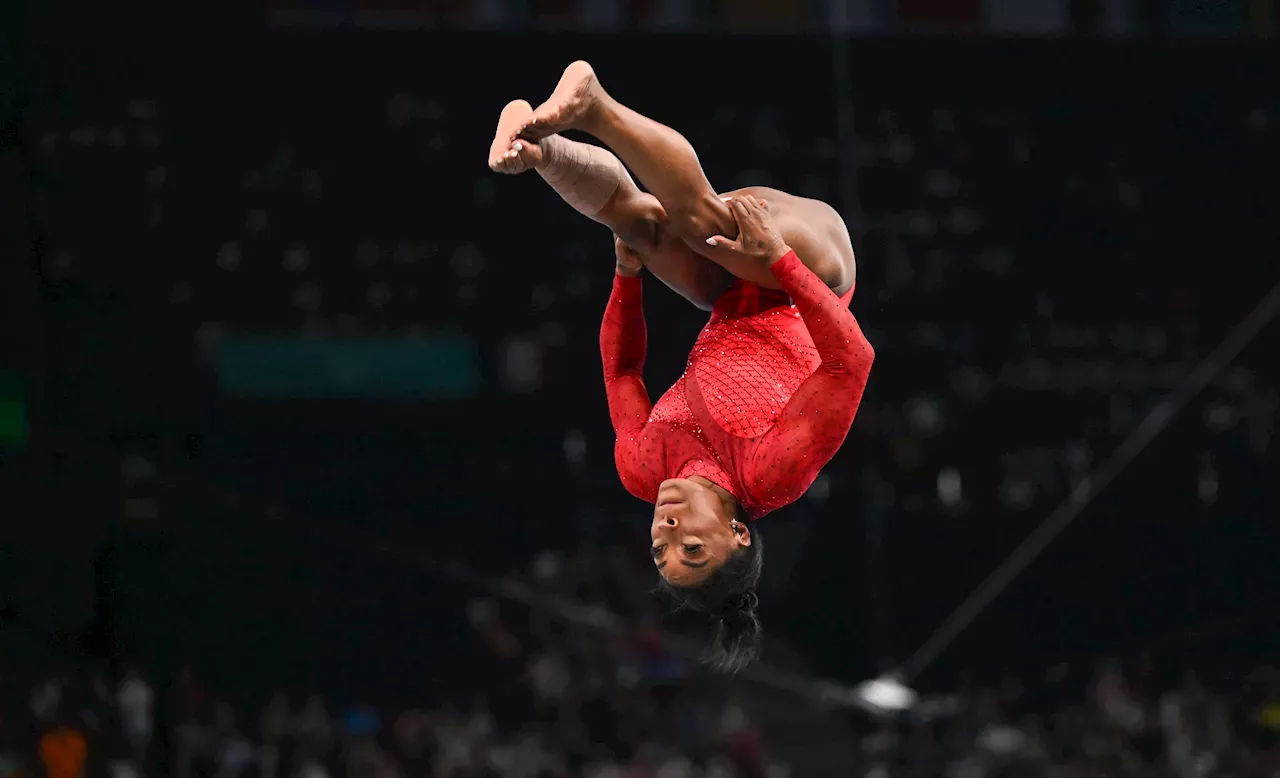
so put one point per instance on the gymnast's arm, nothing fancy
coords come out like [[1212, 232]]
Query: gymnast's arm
[[623, 343], [817, 418]]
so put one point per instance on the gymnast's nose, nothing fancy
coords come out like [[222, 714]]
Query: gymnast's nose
[[671, 521]]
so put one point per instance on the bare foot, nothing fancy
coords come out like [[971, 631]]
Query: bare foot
[[571, 105], [509, 154]]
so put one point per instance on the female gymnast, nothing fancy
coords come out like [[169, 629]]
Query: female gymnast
[[774, 380]]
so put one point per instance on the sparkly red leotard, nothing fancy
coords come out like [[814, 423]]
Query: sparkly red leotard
[[766, 399]]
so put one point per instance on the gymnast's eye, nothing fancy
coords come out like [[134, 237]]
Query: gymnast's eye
[[656, 551], [692, 548]]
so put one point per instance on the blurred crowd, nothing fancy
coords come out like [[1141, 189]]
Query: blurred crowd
[[569, 697]]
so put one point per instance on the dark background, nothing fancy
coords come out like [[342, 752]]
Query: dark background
[[1051, 234]]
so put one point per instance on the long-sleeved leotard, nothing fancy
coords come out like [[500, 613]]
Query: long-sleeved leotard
[[767, 397]]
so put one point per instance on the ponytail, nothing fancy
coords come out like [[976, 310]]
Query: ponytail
[[728, 597], [737, 640]]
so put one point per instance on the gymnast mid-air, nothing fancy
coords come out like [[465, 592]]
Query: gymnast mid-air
[[775, 378]]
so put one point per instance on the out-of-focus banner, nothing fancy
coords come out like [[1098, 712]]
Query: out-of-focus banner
[[272, 367]]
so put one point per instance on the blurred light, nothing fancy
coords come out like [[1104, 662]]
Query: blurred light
[[924, 415], [296, 258], [1017, 494], [949, 487], [135, 468], [942, 184], [547, 566], [521, 365], [1078, 455], [467, 261], [1219, 417], [229, 256], [885, 695], [1207, 483], [482, 611]]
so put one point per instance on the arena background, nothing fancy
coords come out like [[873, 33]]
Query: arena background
[[297, 393]]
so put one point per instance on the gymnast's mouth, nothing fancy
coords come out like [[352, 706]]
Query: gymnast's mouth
[[669, 494]]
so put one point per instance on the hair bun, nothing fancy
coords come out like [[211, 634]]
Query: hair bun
[[739, 609]]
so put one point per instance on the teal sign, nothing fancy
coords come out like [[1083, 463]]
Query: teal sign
[[418, 368]]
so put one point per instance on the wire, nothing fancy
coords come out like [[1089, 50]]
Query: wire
[[1155, 422]]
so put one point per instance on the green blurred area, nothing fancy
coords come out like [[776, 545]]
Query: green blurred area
[[13, 411], [384, 369]]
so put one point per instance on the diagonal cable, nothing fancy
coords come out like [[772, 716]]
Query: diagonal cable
[[1155, 422]]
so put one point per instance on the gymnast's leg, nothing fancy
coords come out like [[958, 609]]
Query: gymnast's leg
[[663, 160], [595, 183]]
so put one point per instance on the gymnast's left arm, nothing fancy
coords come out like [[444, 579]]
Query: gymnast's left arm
[[817, 418]]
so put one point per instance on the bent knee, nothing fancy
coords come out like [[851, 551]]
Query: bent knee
[[705, 216]]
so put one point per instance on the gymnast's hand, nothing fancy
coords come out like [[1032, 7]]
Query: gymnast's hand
[[629, 262], [758, 238]]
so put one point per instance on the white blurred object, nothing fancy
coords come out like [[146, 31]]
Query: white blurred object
[[925, 415], [885, 694], [546, 567], [1002, 740], [949, 486], [521, 364]]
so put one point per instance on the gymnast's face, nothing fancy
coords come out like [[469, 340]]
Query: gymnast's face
[[693, 532]]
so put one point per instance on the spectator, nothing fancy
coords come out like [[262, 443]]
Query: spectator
[[46, 700], [11, 765], [275, 726], [315, 728], [236, 754], [63, 751], [135, 700]]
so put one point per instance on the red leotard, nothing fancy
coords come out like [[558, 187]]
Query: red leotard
[[766, 399]]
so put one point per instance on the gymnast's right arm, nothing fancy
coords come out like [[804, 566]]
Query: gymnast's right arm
[[623, 343]]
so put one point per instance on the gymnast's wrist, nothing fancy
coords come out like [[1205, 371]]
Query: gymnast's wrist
[[627, 272], [778, 251]]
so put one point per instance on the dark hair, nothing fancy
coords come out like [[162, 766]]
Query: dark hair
[[729, 597]]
